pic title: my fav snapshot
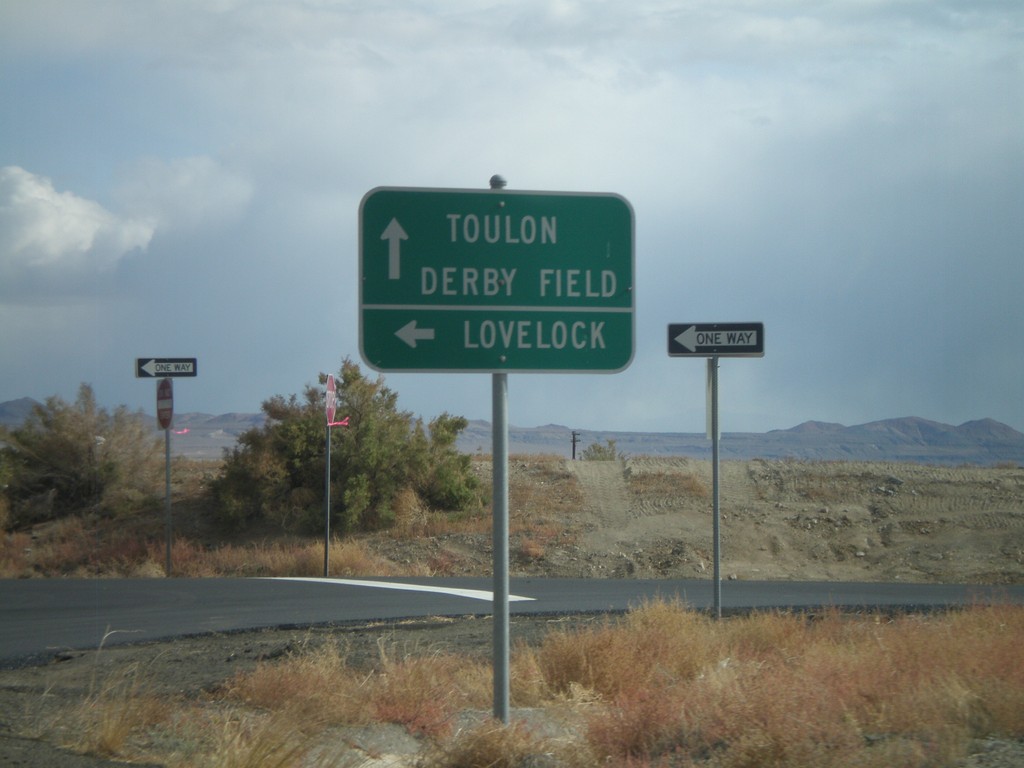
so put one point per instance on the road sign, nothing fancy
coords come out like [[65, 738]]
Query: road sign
[[162, 367], [495, 280], [331, 398], [165, 403], [716, 340]]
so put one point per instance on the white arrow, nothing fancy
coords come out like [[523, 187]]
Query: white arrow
[[410, 334], [150, 367], [394, 234], [688, 338]]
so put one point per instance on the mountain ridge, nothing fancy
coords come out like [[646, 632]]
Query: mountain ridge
[[908, 439]]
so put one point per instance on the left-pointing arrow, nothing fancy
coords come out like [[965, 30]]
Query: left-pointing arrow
[[688, 338], [150, 367], [394, 234], [410, 334]]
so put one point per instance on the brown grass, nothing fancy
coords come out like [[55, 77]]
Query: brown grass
[[70, 548], [496, 745], [421, 691], [662, 685], [113, 711]]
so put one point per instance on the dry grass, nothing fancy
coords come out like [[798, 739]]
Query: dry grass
[[421, 691], [70, 547], [258, 742], [496, 745], [661, 686], [785, 690], [768, 689], [122, 707]]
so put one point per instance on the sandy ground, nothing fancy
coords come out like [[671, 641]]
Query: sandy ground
[[639, 518]]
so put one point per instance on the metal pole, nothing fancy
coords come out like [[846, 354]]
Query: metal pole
[[167, 496], [717, 533], [499, 460], [499, 532], [327, 506]]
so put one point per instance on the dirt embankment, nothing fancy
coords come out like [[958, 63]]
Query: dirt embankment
[[652, 518], [807, 520]]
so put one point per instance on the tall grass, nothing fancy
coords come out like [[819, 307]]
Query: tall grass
[[787, 690], [767, 689], [122, 707], [420, 691], [662, 685]]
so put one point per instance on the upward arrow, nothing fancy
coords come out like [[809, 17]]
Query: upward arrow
[[394, 234]]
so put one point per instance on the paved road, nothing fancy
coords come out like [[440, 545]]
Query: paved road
[[39, 617]]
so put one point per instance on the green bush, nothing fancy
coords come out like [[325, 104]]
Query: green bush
[[276, 472], [72, 458]]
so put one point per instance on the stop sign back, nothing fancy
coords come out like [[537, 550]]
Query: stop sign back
[[331, 399], [164, 403]]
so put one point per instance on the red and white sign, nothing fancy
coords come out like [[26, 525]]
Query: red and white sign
[[332, 402], [164, 403]]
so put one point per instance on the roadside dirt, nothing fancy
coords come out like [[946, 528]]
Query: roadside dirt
[[652, 518], [639, 518]]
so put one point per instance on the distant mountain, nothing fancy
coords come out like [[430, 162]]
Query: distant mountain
[[14, 412], [812, 427], [988, 429], [911, 439]]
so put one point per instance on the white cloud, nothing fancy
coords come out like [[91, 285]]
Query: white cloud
[[46, 234], [183, 193]]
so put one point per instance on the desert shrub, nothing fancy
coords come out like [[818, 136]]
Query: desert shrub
[[598, 452], [449, 482], [75, 457], [275, 473]]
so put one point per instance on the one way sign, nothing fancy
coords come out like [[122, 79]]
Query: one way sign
[[716, 340], [161, 367]]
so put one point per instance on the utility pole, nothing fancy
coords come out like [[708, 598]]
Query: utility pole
[[575, 440]]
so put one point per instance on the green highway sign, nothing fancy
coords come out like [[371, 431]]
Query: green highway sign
[[495, 280]]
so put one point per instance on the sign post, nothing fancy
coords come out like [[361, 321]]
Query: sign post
[[165, 416], [330, 410], [496, 281], [164, 369], [714, 340], [330, 406]]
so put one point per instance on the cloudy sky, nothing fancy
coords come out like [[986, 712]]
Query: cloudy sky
[[182, 178]]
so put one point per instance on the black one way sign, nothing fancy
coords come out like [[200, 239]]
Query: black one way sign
[[162, 367], [716, 340]]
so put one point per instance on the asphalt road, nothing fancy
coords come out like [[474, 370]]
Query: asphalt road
[[41, 617]]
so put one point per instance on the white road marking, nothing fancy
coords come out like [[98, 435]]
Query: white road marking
[[473, 594]]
